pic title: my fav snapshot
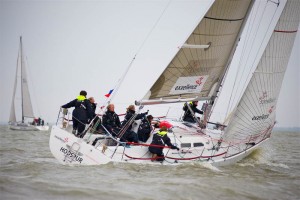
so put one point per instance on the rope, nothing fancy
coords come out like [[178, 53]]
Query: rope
[[173, 158]]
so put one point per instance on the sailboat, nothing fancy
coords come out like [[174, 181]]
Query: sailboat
[[196, 73], [21, 91]]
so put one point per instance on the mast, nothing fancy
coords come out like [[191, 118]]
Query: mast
[[222, 78], [21, 53]]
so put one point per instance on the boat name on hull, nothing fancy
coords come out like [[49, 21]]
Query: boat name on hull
[[70, 154]]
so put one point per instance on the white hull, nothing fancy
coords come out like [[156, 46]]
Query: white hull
[[68, 149], [27, 127]]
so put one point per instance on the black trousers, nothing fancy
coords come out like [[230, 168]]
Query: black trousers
[[78, 125]]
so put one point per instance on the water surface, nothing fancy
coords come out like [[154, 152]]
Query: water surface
[[29, 171]]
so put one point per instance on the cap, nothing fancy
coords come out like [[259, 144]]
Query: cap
[[166, 124]]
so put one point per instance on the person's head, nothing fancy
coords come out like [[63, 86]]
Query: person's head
[[156, 125], [111, 107], [131, 107], [91, 99], [83, 93], [195, 103], [150, 118], [163, 128]]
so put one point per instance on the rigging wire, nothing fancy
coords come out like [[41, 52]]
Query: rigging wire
[[120, 81], [137, 52]]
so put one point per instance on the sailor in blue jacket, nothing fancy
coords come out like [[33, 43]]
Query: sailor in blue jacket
[[188, 116], [160, 139], [111, 121], [145, 128], [81, 114], [129, 135]]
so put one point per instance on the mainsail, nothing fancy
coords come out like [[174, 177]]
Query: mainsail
[[22, 83], [198, 68], [255, 114]]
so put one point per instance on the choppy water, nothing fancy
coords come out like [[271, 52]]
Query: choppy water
[[29, 171]]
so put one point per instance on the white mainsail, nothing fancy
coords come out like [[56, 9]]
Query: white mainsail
[[255, 114], [12, 116], [197, 69]]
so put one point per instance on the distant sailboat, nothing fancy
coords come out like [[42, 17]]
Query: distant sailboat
[[196, 73], [21, 89]]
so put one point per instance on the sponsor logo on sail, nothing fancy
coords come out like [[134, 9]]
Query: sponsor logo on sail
[[199, 81], [186, 87], [265, 100], [260, 117], [271, 109], [192, 84], [73, 156], [264, 116]]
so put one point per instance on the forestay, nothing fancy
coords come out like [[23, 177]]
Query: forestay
[[255, 115]]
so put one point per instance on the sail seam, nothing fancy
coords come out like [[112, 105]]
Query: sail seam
[[283, 31], [261, 72], [220, 19]]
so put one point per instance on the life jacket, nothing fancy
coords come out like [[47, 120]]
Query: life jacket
[[80, 101], [162, 133], [158, 138], [80, 98], [185, 106]]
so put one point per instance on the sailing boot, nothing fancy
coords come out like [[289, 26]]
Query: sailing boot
[[81, 135], [74, 132]]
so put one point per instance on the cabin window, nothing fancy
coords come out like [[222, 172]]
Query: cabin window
[[186, 145], [199, 144]]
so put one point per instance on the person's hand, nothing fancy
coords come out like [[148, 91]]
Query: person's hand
[[177, 148]]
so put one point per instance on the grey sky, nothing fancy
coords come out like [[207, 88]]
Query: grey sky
[[75, 45]]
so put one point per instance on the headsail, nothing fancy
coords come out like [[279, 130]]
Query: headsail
[[200, 64], [27, 105], [254, 116]]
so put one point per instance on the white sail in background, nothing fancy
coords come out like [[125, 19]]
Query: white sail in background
[[21, 90], [255, 114], [200, 64], [12, 116], [26, 104]]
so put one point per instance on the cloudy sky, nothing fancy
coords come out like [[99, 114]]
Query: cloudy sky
[[76, 45]]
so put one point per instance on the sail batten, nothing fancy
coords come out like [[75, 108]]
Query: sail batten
[[195, 46]]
